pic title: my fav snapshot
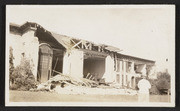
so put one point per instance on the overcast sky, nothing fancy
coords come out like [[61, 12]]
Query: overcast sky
[[147, 32]]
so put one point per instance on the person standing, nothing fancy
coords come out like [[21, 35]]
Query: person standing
[[144, 86]]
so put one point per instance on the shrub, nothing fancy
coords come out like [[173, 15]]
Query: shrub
[[154, 90], [11, 64], [22, 77], [163, 82]]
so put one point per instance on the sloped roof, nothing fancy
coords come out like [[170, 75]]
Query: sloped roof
[[112, 48], [65, 41], [137, 59], [41, 33], [62, 39]]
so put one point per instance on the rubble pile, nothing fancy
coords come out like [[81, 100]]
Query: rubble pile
[[65, 84]]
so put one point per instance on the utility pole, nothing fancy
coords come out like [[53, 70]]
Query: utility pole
[[168, 91], [167, 65]]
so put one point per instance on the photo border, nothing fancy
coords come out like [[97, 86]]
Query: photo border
[[110, 2]]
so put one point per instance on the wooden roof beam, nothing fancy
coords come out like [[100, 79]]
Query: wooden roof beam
[[76, 44]]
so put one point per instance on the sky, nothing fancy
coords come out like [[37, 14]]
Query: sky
[[142, 31]]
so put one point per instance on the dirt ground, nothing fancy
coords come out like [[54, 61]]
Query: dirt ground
[[27, 96]]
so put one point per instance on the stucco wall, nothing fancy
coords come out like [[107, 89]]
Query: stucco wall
[[15, 41], [109, 74], [28, 45], [73, 63]]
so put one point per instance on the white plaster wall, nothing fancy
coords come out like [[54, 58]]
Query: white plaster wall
[[121, 72], [73, 63], [27, 44], [109, 72], [132, 67], [66, 63], [124, 72], [15, 42], [31, 49]]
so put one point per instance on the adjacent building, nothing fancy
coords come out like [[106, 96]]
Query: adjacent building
[[50, 53]]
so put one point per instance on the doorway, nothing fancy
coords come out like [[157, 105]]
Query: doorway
[[45, 62], [94, 67]]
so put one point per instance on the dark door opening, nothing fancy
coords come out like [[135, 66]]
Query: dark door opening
[[94, 68], [57, 63]]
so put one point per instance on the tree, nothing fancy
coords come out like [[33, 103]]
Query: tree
[[163, 82]]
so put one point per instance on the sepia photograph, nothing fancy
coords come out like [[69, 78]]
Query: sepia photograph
[[90, 55]]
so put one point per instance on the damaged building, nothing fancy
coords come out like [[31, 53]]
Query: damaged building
[[52, 53]]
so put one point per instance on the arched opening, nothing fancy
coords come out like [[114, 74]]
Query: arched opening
[[45, 62]]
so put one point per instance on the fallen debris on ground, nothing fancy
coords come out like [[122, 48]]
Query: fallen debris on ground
[[65, 84]]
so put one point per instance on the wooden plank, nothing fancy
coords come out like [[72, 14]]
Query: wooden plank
[[74, 43], [77, 45], [87, 75], [90, 77], [82, 45], [90, 46]]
